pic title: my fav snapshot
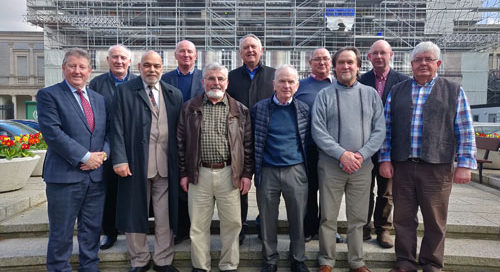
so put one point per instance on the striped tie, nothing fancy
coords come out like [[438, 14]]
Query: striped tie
[[153, 100], [87, 110]]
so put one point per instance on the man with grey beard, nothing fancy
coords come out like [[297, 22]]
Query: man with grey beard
[[213, 171]]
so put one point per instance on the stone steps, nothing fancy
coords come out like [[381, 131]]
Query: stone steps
[[28, 254]]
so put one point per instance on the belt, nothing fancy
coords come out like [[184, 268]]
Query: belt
[[215, 165], [415, 160]]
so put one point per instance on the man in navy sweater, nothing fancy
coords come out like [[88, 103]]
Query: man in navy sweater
[[321, 77], [282, 140]]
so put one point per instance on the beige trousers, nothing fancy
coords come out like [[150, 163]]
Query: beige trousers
[[214, 187], [138, 249]]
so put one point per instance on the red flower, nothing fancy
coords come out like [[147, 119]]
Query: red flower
[[25, 146]]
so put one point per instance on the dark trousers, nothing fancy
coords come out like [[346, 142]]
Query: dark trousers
[[382, 219], [109, 215], [69, 202], [428, 186], [244, 212], [313, 213]]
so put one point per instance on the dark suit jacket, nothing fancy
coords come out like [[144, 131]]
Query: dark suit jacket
[[250, 91], [130, 129], [105, 85], [196, 87], [393, 78], [67, 133]]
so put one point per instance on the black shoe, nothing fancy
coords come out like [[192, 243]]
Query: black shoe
[[140, 268], [308, 238], [367, 233], [339, 238], [180, 238], [107, 241], [164, 268], [297, 266], [198, 270], [269, 268], [230, 270]]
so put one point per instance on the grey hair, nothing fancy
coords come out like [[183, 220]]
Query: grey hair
[[426, 47], [283, 67], [129, 53], [150, 52], [214, 66], [319, 48], [190, 42], [250, 36], [77, 52]]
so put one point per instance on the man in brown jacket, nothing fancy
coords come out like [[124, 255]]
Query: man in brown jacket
[[215, 146]]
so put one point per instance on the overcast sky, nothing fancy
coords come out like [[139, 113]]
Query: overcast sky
[[11, 16]]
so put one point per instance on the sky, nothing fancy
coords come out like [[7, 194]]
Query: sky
[[11, 16]]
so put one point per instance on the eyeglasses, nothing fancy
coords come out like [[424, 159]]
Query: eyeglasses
[[421, 60], [321, 59]]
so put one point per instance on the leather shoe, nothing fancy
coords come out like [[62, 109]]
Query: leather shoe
[[269, 268], [308, 238], [140, 268], [339, 238], [401, 270], [325, 268], [297, 266], [360, 269], [107, 241], [230, 270], [384, 239], [367, 233], [164, 268], [198, 270]]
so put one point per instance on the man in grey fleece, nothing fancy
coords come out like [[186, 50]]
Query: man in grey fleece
[[348, 128]]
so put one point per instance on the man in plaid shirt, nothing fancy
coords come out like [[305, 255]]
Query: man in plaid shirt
[[428, 124]]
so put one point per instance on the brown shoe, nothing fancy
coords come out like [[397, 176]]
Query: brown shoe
[[325, 268], [384, 239], [360, 269]]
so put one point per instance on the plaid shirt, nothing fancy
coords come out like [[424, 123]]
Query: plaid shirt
[[464, 132], [214, 139]]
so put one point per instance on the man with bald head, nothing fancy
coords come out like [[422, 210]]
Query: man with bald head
[[186, 77], [118, 59], [144, 155], [382, 77]]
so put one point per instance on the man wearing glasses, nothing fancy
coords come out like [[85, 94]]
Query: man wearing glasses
[[428, 124]]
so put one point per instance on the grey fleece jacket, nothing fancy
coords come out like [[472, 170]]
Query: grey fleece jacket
[[356, 123]]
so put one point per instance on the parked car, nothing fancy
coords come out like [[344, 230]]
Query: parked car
[[488, 129], [30, 123], [11, 128]]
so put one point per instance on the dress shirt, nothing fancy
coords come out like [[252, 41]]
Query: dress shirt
[[250, 72], [380, 81], [156, 92], [277, 102], [464, 131], [117, 80], [86, 157]]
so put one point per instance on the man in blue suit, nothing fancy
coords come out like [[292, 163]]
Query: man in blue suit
[[186, 78], [72, 119]]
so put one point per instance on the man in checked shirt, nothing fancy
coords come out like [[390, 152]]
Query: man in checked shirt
[[428, 123]]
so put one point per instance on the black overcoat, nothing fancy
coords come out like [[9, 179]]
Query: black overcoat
[[130, 129]]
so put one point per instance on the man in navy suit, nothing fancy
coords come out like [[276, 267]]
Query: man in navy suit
[[382, 77], [72, 119], [185, 77]]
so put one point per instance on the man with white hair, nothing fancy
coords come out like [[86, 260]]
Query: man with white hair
[[119, 60], [429, 123], [214, 138], [282, 143], [248, 84]]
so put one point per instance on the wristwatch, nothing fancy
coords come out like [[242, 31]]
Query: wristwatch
[[105, 156]]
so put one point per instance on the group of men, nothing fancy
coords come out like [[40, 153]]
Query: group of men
[[173, 145]]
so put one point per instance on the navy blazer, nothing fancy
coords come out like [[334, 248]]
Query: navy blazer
[[393, 78], [172, 78], [65, 129]]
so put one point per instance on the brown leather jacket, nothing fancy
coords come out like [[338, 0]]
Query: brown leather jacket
[[239, 133]]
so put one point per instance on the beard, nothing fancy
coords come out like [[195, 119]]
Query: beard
[[215, 94]]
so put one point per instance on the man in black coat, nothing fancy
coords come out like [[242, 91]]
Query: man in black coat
[[382, 77], [118, 59], [144, 155], [249, 84]]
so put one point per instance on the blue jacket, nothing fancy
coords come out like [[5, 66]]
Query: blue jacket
[[261, 115]]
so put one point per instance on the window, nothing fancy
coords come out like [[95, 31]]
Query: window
[[492, 118], [22, 69]]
